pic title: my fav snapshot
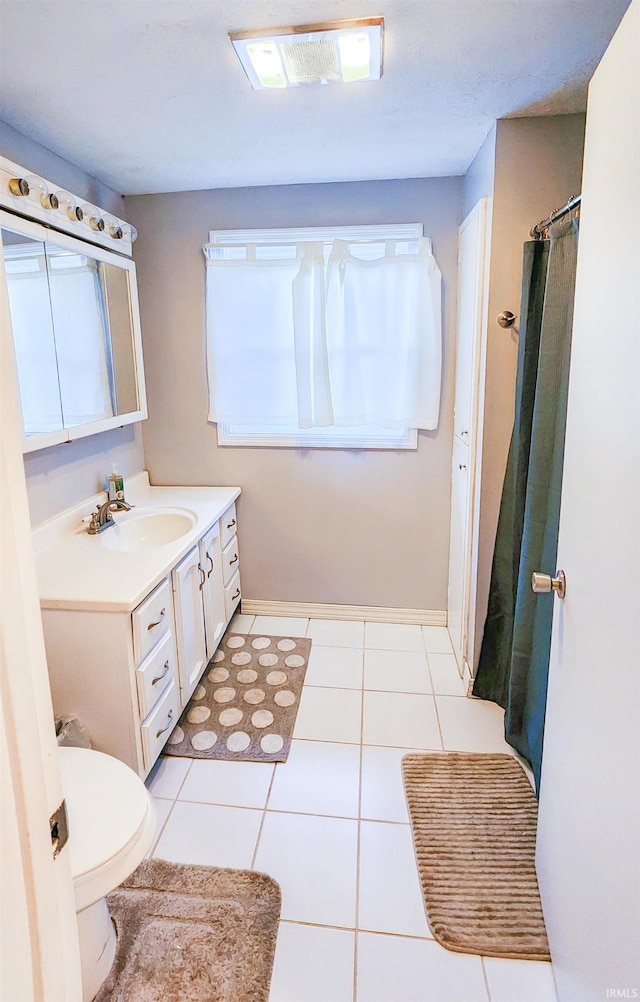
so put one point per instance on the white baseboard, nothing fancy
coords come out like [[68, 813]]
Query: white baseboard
[[370, 613]]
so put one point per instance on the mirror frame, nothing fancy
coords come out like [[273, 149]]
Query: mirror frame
[[48, 235]]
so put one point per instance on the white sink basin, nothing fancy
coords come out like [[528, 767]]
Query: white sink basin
[[147, 528]]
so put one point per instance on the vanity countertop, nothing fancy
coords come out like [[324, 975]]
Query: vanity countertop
[[76, 571]]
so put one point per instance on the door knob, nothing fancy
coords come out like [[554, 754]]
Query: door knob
[[542, 583]]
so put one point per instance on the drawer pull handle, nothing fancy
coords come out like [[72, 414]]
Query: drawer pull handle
[[159, 678], [163, 729], [163, 613], [204, 577], [237, 595], [234, 561], [231, 523], [210, 559]]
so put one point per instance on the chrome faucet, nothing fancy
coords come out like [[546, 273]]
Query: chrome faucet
[[101, 519]]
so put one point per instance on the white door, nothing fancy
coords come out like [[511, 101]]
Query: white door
[[39, 956], [466, 444], [471, 248], [589, 820], [188, 581], [213, 591]]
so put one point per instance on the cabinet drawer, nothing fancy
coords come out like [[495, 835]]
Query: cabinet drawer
[[156, 672], [151, 620], [228, 526], [232, 594], [230, 560], [159, 724]]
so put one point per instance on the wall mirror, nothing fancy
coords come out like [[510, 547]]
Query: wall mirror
[[76, 330]]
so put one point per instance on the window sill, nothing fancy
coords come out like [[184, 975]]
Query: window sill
[[318, 438]]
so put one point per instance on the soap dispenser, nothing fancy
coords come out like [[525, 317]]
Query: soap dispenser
[[116, 487]]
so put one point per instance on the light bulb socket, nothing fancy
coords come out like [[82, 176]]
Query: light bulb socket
[[19, 186], [49, 201], [75, 213], [97, 223], [116, 232]]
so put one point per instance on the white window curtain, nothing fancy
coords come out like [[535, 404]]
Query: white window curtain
[[319, 334]]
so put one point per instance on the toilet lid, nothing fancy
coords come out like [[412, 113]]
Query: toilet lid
[[107, 806]]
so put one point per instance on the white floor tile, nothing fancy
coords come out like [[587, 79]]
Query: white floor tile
[[396, 671], [336, 632], [279, 626], [340, 667], [474, 725], [444, 675], [318, 778], [235, 784], [314, 861], [393, 969], [241, 623], [393, 637], [437, 640], [520, 980], [167, 776], [209, 836], [329, 715], [400, 719], [163, 809], [390, 898], [383, 796], [312, 964]]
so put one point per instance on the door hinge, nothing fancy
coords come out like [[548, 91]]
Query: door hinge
[[59, 825]]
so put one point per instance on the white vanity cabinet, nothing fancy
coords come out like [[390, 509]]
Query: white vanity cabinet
[[230, 560], [129, 675], [215, 617], [200, 598], [192, 648]]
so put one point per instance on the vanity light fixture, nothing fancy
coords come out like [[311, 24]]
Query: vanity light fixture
[[67, 206], [92, 217], [35, 189], [35, 197], [330, 52]]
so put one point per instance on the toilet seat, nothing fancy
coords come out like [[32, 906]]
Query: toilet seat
[[111, 821]]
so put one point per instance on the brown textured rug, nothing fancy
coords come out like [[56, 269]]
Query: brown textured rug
[[192, 934], [245, 707], [473, 819]]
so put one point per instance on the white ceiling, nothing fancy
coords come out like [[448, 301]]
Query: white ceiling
[[148, 95]]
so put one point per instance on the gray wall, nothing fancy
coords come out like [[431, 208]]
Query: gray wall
[[364, 528], [64, 474], [538, 165]]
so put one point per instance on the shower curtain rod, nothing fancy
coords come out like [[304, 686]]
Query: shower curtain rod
[[544, 224]]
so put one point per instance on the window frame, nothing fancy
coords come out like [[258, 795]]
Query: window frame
[[316, 438]]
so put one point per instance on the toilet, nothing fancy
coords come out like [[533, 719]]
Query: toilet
[[111, 826]]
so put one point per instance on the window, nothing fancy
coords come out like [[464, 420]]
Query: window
[[323, 337]]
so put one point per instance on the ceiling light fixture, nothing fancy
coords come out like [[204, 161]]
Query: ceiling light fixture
[[331, 52]]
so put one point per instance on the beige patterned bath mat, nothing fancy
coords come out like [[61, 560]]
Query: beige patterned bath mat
[[473, 819], [192, 934], [245, 707]]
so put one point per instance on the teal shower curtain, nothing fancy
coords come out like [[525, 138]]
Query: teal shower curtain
[[514, 658]]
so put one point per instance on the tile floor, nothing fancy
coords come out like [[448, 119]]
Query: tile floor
[[331, 825]]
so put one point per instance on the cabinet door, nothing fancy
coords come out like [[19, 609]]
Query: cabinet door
[[458, 563], [213, 591], [188, 578]]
